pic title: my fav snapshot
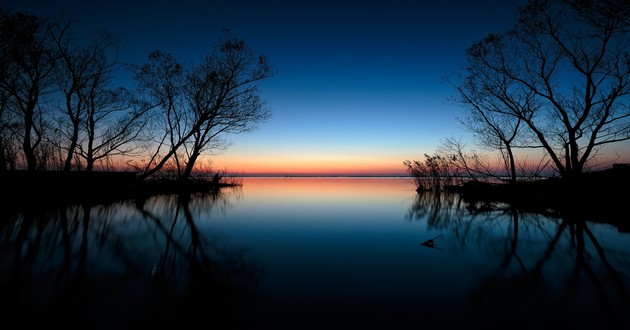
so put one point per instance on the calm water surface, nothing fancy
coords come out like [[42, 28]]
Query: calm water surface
[[310, 253]]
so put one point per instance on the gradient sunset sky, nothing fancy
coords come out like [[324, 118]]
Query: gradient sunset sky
[[358, 87]]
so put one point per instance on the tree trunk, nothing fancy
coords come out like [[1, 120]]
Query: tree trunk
[[3, 158], [512, 164], [190, 165], [73, 144], [89, 166], [27, 146]]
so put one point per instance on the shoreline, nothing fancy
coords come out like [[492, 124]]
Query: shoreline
[[598, 190], [26, 189]]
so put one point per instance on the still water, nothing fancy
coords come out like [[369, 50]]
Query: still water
[[310, 253]]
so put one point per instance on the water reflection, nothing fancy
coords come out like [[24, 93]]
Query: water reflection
[[129, 263], [311, 252], [552, 268]]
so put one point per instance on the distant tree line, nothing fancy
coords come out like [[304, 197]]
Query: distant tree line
[[558, 81], [60, 107]]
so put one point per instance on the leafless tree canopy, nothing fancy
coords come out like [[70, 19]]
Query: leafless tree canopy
[[196, 106], [559, 80], [60, 109], [28, 62]]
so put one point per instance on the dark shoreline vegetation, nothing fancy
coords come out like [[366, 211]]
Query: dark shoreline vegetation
[[602, 193], [599, 196], [42, 189]]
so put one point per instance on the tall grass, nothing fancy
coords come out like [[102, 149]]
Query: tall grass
[[434, 174]]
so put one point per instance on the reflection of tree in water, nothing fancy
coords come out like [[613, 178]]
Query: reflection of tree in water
[[466, 223], [438, 209], [552, 267], [124, 264]]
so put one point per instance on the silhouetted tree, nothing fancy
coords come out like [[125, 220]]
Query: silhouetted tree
[[5, 129], [74, 72], [28, 63], [562, 72], [4, 98], [490, 124], [115, 125], [79, 68], [197, 105], [98, 121]]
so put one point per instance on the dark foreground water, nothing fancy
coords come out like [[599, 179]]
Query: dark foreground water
[[310, 253]]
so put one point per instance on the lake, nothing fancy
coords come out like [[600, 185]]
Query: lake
[[319, 252]]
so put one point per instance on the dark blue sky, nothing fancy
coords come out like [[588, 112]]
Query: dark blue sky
[[358, 85]]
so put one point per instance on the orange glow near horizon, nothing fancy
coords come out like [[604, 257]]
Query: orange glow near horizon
[[311, 166], [257, 163], [338, 166]]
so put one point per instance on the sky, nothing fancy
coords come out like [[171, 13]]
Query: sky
[[358, 86]]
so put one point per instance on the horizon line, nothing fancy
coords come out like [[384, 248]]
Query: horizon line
[[274, 175]]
